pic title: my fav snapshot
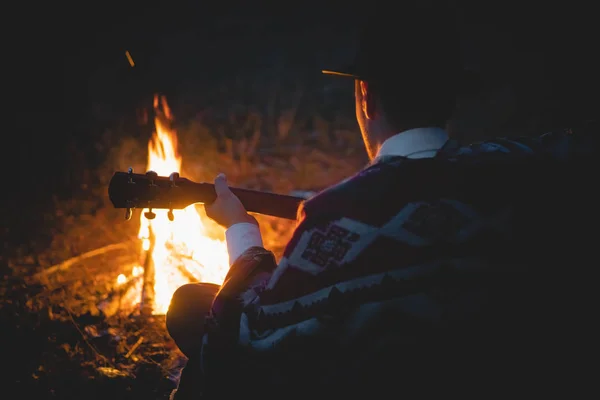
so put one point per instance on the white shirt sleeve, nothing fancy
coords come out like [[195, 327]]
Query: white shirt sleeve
[[240, 237]]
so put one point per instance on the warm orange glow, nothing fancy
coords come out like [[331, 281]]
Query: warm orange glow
[[137, 270], [182, 243], [129, 58], [121, 279]]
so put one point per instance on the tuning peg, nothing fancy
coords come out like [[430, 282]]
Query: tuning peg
[[173, 178], [128, 214], [149, 214], [151, 175], [170, 215], [130, 172]]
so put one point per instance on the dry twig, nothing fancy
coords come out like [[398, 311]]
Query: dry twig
[[134, 347], [87, 342], [74, 260]]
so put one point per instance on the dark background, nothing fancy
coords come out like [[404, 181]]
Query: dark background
[[66, 83], [67, 80]]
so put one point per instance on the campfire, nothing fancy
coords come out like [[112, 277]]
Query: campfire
[[174, 252], [89, 293], [138, 275]]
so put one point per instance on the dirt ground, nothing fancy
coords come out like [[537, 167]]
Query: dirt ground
[[61, 342]]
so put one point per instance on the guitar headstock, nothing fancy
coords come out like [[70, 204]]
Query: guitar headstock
[[128, 190]]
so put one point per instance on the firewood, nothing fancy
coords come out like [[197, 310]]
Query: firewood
[[74, 260], [134, 347], [112, 303]]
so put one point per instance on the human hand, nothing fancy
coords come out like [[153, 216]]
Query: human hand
[[227, 209]]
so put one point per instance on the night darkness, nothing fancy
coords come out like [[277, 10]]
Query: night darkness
[[536, 66], [543, 52], [67, 81]]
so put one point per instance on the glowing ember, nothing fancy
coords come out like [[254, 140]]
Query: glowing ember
[[182, 248], [121, 279]]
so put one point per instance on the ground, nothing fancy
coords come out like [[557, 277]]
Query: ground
[[63, 341], [247, 102], [269, 129]]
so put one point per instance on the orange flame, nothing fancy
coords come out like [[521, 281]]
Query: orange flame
[[181, 245]]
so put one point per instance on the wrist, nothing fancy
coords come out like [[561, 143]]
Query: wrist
[[240, 237], [245, 219]]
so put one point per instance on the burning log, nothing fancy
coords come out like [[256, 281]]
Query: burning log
[[184, 271], [74, 260], [148, 293], [176, 247], [115, 300]]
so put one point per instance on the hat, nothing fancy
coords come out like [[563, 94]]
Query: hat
[[415, 43]]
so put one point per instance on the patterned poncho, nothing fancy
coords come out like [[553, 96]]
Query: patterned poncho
[[412, 272]]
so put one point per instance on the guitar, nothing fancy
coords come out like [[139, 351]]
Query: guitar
[[128, 190]]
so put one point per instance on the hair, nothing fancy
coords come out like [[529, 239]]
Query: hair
[[419, 62], [407, 107]]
